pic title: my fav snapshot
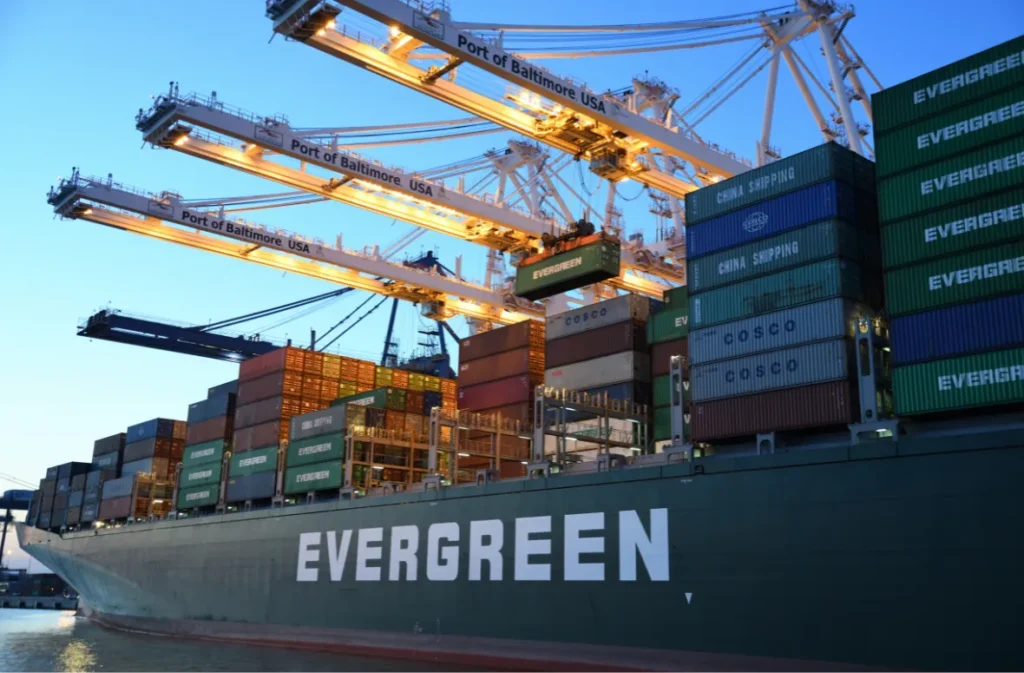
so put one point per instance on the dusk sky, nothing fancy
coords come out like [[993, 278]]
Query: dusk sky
[[74, 74]]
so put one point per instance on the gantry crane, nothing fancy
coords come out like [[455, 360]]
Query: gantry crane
[[166, 217]]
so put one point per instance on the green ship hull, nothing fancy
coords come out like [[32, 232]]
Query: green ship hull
[[902, 555]]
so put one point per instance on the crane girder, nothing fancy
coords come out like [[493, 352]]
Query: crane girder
[[111, 205]]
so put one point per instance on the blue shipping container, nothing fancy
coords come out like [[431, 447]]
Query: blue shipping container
[[213, 407], [252, 487], [157, 427], [994, 324], [431, 399], [822, 201], [229, 387]]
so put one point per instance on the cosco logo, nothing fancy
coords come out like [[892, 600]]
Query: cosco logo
[[585, 316], [759, 332], [755, 222], [760, 371]]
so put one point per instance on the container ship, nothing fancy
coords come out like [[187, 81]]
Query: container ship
[[808, 457]]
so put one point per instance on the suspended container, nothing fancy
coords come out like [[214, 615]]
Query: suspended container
[[587, 264]]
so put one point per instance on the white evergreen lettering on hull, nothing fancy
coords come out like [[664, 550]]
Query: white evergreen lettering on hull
[[642, 550]]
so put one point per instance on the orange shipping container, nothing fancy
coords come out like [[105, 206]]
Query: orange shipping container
[[349, 369], [367, 372], [394, 420], [400, 379], [271, 385], [289, 358], [312, 387], [313, 364], [449, 387], [312, 405]]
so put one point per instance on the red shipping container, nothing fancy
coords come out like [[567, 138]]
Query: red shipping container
[[414, 402], [115, 508], [595, 343], [271, 385], [210, 429], [502, 366], [266, 410], [288, 358], [819, 405], [259, 436], [662, 353], [394, 420], [519, 335], [498, 393]]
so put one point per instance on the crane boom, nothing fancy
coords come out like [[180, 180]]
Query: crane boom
[[111, 204]]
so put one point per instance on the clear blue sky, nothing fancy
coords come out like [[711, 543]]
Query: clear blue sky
[[73, 75]]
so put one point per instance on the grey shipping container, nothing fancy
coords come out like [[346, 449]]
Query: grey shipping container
[[108, 461], [89, 512], [252, 487], [229, 387], [626, 366], [608, 312], [595, 343], [829, 319], [156, 466], [786, 368], [108, 444], [118, 488], [330, 420], [75, 498]]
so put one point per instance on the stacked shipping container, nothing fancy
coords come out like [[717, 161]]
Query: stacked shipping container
[[207, 438], [781, 259], [153, 447], [950, 148], [316, 451], [667, 332]]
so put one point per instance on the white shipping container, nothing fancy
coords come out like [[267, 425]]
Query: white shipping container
[[615, 368], [608, 312]]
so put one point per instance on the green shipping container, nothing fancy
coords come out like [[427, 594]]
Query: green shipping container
[[669, 325], [663, 425], [569, 270], [206, 452], [318, 477], [984, 222], [316, 449], [199, 496], [959, 130], [376, 398], [662, 396], [253, 462], [802, 285], [969, 79], [824, 162], [200, 475], [956, 280], [394, 399], [830, 238], [677, 296], [962, 178], [987, 379]]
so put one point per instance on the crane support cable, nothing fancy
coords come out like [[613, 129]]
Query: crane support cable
[[16, 481], [713, 22], [630, 50], [413, 141], [358, 320], [255, 315], [345, 130]]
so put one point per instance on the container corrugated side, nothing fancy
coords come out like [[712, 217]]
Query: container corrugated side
[[253, 462], [499, 393], [958, 130], [993, 324], [828, 319], [829, 161], [802, 285], [108, 461], [593, 344], [517, 362], [318, 477], [109, 444], [519, 335], [221, 405], [983, 222], [987, 379], [158, 467], [584, 265], [661, 356], [118, 488], [949, 86], [662, 390], [626, 366], [251, 487], [829, 238], [823, 201], [675, 297], [786, 368], [961, 178], [316, 449], [200, 475], [199, 496], [377, 398], [325, 421], [820, 405], [661, 428], [90, 510], [206, 452], [669, 325], [620, 309], [957, 279], [227, 387]]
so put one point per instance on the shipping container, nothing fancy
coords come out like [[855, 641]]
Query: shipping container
[[802, 285], [394, 420], [97, 476], [118, 488], [312, 363], [200, 475], [628, 307], [400, 378], [331, 368], [821, 405], [223, 388], [51, 472], [661, 356], [158, 467], [986, 379], [75, 498], [512, 337], [414, 402], [221, 405], [431, 383], [993, 324], [450, 387], [345, 389], [44, 520], [155, 447], [109, 444], [823, 201], [384, 377], [69, 470], [956, 279], [211, 429], [90, 511], [953, 132], [251, 462], [57, 517], [950, 86], [822, 240], [818, 164], [670, 324], [157, 427], [662, 391], [524, 360], [274, 384], [828, 319], [259, 436], [367, 372], [312, 388], [316, 449], [74, 516], [375, 418], [325, 421], [108, 461], [60, 501], [319, 477], [259, 486], [674, 298], [78, 481], [93, 496], [199, 496], [661, 428], [377, 398], [416, 380], [585, 265], [626, 366], [431, 399], [592, 344], [500, 393], [786, 368], [962, 178], [63, 485], [394, 399], [206, 452], [290, 359], [267, 410], [980, 223]]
